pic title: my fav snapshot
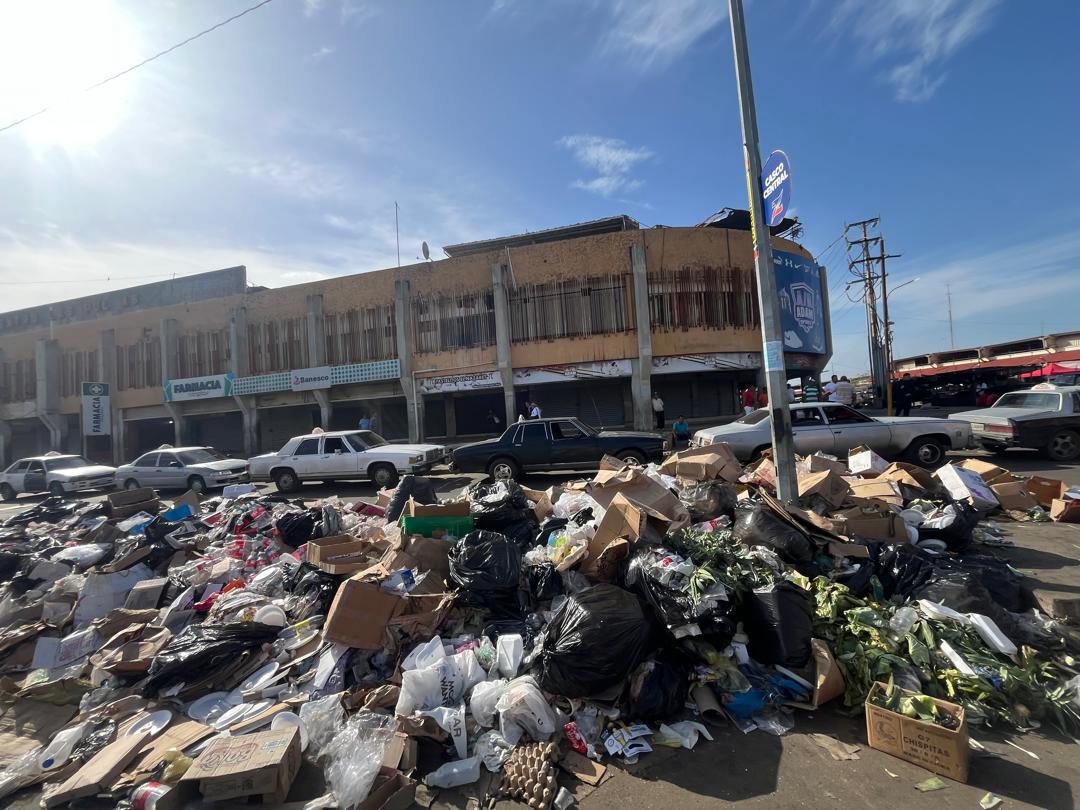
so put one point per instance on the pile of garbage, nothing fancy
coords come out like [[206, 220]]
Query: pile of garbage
[[207, 650]]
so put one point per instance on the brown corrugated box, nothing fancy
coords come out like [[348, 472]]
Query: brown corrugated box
[[828, 485], [715, 461], [455, 509], [984, 469], [936, 748], [1046, 490], [361, 611], [1014, 495], [260, 764], [824, 674]]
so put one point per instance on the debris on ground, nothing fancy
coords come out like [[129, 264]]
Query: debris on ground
[[510, 642]]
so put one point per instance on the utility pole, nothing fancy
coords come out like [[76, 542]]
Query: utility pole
[[888, 325], [948, 303], [768, 303], [879, 332], [397, 234]]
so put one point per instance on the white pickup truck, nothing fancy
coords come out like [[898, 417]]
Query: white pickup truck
[[342, 455]]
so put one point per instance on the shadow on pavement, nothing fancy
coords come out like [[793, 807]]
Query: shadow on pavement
[[1027, 557], [1014, 780]]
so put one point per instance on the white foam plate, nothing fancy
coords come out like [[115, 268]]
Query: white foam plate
[[152, 724], [202, 708], [238, 714], [261, 677]]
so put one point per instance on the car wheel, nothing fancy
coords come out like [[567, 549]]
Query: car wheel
[[1063, 446], [131, 483], [503, 469], [927, 453], [632, 457], [56, 489], [6, 492], [197, 484], [286, 480], [383, 475]]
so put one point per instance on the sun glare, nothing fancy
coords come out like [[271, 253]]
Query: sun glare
[[50, 50]]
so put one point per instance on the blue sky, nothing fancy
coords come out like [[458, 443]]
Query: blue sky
[[282, 140]]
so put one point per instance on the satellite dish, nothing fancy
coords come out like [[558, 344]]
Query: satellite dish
[[425, 251]]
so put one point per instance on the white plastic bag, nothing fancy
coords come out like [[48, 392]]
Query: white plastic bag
[[569, 505], [425, 655], [452, 721], [354, 756], [453, 774], [522, 709], [444, 683], [493, 750], [483, 699], [323, 719], [686, 732], [509, 650]]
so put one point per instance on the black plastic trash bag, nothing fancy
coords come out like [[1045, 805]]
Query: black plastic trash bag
[[310, 591], [296, 528], [521, 532], [658, 688], [708, 499], [487, 567], [954, 526], [543, 581], [496, 505], [779, 622], [200, 650], [674, 607], [420, 490], [593, 642], [757, 525]]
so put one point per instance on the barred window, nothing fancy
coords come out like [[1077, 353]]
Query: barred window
[[594, 305], [360, 335], [278, 345], [201, 354], [139, 364], [453, 320], [703, 297]]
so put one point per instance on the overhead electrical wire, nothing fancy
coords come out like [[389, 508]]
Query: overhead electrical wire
[[146, 61]]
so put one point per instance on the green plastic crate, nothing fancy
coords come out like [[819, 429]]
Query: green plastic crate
[[426, 526]]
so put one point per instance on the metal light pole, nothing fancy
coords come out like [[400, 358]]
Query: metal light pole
[[768, 303]]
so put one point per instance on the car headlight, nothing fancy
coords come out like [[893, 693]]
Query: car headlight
[[415, 459], [222, 473], [667, 444]]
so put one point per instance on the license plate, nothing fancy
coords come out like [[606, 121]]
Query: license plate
[[978, 426]]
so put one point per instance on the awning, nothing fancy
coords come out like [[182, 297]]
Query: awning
[[1042, 358], [1066, 367]]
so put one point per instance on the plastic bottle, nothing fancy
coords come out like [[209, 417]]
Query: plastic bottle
[[903, 620], [59, 750], [453, 774]]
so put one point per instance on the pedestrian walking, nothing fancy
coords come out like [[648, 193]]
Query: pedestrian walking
[[658, 410], [749, 400], [845, 392], [903, 394]]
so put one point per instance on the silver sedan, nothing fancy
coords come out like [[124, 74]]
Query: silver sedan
[[834, 428], [197, 468]]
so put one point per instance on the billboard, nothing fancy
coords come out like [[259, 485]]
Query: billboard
[[214, 385], [96, 413], [802, 310]]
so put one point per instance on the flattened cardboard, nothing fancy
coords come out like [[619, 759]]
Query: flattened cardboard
[[984, 469], [819, 463], [583, 768], [965, 485], [629, 519], [635, 485], [360, 613], [875, 490], [260, 764], [824, 673], [936, 748], [126, 497], [863, 461], [828, 485], [1046, 490], [100, 771], [709, 463], [26, 724], [909, 475], [1014, 495], [392, 790], [146, 595]]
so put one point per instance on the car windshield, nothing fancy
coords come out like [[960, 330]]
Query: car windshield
[[753, 417], [67, 463], [588, 430], [201, 456], [1034, 400], [361, 440]]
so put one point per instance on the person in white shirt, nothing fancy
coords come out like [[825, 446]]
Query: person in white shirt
[[534, 411], [830, 389], [845, 391], [658, 409]]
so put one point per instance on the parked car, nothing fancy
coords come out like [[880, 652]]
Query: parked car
[[1045, 417], [556, 444], [831, 427], [343, 455], [195, 468], [55, 473]]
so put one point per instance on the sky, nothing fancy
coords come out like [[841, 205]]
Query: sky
[[282, 140]]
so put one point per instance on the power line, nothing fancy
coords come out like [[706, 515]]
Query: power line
[[146, 61]]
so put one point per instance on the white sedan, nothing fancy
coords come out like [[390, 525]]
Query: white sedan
[[55, 473], [343, 455]]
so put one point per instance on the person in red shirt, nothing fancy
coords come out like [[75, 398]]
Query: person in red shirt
[[749, 399], [763, 398]]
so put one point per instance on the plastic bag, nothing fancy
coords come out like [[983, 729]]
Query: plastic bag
[[509, 650], [296, 528], [597, 637], [487, 566], [570, 505], [482, 701], [779, 622], [757, 525], [451, 719], [455, 774], [953, 523], [84, 556], [523, 710], [201, 650], [444, 683], [496, 505], [708, 500], [543, 581], [658, 688], [493, 750], [424, 655], [323, 719], [355, 755]]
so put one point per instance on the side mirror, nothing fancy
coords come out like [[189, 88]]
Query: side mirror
[[175, 464]]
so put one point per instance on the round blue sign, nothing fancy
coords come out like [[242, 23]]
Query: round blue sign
[[776, 187]]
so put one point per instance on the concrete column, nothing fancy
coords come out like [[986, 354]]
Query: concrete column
[[641, 370], [502, 340], [177, 415], [170, 370], [316, 331], [119, 437], [47, 361], [239, 359], [250, 415], [326, 409], [106, 373], [414, 400], [826, 314], [451, 416], [5, 444]]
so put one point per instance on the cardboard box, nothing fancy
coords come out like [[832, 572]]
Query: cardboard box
[[630, 520], [456, 509], [392, 790], [421, 553], [984, 469], [824, 674], [1065, 511], [635, 485], [360, 613], [909, 475], [874, 526], [1014, 495], [340, 554], [827, 485], [936, 748], [819, 462], [150, 507], [1046, 490], [260, 764], [965, 485], [542, 503], [887, 492], [127, 497], [715, 461], [863, 461]]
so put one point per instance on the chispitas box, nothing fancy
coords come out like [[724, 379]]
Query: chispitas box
[[260, 764], [936, 748]]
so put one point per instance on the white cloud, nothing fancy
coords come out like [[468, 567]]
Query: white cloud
[[321, 53], [312, 7], [290, 175], [612, 160], [356, 11], [913, 39], [654, 33]]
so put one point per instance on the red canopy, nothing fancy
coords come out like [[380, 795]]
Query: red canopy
[[1061, 362], [1052, 368]]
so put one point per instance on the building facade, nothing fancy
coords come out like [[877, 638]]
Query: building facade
[[437, 350]]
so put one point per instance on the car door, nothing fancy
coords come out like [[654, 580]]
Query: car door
[[35, 477], [305, 458], [811, 431], [532, 447], [16, 475], [571, 446], [145, 469], [169, 472], [337, 459], [851, 429]]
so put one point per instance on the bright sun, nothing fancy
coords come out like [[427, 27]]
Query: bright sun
[[52, 49]]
